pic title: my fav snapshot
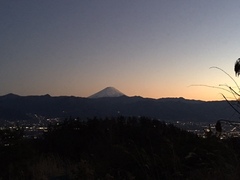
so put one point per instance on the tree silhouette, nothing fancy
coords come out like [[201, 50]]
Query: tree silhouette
[[237, 67]]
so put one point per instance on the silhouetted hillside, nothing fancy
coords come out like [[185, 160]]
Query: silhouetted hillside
[[117, 148]]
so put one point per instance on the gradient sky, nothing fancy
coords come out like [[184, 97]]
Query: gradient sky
[[150, 48]]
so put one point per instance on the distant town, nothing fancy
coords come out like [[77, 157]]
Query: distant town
[[35, 129]]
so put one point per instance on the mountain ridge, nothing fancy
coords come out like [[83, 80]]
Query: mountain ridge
[[168, 109]]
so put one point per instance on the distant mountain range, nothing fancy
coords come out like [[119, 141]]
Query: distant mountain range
[[14, 107]]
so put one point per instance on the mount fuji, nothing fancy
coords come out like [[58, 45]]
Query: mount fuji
[[107, 92]]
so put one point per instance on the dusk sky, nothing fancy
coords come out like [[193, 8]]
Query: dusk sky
[[149, 48]]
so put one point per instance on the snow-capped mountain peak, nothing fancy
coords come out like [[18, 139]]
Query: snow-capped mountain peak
[[107, 92]]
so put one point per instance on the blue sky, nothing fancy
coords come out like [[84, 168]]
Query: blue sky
[[155, 48]]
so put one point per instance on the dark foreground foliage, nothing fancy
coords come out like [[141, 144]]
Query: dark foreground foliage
[[118, 148]]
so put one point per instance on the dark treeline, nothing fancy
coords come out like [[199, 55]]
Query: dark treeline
[[117, 148]]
